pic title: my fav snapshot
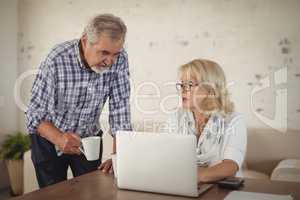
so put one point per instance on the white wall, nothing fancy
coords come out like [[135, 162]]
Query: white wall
[[8, 73], [250, 39], [256, 42]]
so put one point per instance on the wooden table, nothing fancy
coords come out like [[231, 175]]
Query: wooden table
[[99, 186]]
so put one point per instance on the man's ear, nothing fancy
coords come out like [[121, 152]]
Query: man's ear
[[84, 40]]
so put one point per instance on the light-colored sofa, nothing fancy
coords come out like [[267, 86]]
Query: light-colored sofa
[[265, 150]]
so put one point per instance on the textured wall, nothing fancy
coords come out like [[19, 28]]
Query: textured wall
[[256, 42], [8, 65], [8, 74]]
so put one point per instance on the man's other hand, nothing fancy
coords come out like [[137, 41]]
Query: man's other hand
[[106, 167]]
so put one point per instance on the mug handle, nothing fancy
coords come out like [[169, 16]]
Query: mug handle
[[81, 150]]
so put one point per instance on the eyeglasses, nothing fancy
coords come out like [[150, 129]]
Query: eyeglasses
[[187, 86]]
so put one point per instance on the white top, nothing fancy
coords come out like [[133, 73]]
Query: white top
[[222, 137]]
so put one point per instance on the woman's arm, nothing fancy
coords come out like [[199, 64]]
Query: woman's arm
[[233, 154], [217, 172]]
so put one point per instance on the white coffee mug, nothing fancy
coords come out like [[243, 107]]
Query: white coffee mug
[[114, 164], [91, 147]]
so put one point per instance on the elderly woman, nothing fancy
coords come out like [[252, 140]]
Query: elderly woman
[[208, 113]]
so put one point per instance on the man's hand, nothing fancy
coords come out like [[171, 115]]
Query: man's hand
[[106, 167], [69, 143]]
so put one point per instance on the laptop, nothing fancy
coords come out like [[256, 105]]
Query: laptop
[[158, 162]]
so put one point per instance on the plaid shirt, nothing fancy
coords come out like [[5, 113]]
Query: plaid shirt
[[71, 96]]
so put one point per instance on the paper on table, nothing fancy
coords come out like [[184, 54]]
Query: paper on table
[[238, 195]]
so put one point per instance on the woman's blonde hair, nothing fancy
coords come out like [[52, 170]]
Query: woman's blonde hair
[[212, 78]]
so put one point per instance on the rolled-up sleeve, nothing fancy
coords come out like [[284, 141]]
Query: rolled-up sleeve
[[119, 99], [236, 144], [42, 100]]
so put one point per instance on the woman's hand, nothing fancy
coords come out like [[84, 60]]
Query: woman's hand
[[201, 174], [226, 168]]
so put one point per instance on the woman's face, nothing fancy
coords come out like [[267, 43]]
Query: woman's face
[[192, 93]]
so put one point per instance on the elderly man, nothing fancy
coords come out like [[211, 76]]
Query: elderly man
[[68, 95]]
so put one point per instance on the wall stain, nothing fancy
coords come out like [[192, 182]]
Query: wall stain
[[30, 47], [259, 110], [297, 75], [254, 83], [285, 50], [258, 77], [206, 34], [284, 44], [257, 82], [284, 41], [184, 43], [22, 49], [152, 44]]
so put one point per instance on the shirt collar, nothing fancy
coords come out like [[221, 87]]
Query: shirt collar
[[213, 125], [77, 50]]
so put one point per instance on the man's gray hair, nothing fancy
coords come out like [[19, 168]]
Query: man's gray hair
[[109, 24]]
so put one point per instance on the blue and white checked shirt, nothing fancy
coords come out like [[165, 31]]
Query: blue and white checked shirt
[[72, 96]]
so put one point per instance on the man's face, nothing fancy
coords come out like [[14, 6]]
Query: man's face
[[102, 54]]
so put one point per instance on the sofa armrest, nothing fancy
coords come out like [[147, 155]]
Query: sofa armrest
[[287, 170], [247, 173]]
